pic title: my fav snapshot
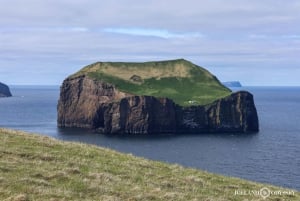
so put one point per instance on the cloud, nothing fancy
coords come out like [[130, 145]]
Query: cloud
[[64, 35], [180, 16], [42, 29], [258, 36], [274, 37], [294, 36], [152, 32]]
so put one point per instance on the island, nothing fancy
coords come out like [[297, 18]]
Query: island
[[232, 84], [160, 97], [4, 90]]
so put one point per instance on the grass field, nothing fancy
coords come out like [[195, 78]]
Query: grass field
[[179, 80], [34, 167]]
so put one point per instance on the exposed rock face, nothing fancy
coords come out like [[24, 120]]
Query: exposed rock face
[[233, 113], [4, 90], [89, 103]]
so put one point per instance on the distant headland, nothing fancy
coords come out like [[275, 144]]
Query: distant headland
[[4, 90], [174, 96], [232, 84]]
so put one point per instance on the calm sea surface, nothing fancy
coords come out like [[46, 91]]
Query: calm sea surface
[[271, 156]]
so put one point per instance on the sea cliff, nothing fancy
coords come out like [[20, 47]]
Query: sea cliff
[[88, 102], [4, 90]]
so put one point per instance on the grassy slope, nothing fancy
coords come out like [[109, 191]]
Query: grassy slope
[[35, 167], [179, 80]]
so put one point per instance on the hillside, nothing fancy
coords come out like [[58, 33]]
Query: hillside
[[36, 167], [180, 80]]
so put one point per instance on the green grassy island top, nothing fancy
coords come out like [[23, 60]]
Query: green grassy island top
[[180, 80]]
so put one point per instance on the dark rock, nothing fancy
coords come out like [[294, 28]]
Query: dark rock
[[82, 99], [136, 78], [138, 115], [235, 113], [4, 90], [88, 103]]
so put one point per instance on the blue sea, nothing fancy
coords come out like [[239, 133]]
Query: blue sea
[[270, 156]]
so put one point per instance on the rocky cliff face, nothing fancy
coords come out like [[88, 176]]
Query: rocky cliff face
[[88, 103], [4, 90]]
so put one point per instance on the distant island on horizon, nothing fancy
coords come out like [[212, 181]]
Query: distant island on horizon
[[232, 84]]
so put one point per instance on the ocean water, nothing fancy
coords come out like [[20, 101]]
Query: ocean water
[[270, 156]]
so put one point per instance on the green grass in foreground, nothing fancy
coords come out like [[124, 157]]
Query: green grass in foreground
[[36, 167]]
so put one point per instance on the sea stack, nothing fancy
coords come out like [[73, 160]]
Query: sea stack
[[170, 97], [4, 90]]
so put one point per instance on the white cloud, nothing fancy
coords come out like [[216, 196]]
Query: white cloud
[[153, 32], [180, 16], [63, 34]]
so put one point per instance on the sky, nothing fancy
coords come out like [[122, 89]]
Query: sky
[[256, 42]]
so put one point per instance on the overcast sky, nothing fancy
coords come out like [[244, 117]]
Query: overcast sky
[[254, 41]]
